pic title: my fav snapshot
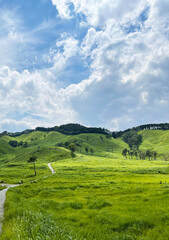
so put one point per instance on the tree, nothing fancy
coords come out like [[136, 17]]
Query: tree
[[131, 153], [148, 154], [25, 145], [20, 143], [124, 152], [165, 156], [13, 143], [87, 150], [155, 155], [142, 155], [92, 151], [73, 155], [72, 148], [33, 159], [133, 139], [67, 144], [136, 154], [108, 135]]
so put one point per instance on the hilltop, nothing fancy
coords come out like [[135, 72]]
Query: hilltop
[[102, 141], [97, 194], [75, 128], [50, 145]]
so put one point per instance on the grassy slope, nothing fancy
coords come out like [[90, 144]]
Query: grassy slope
[[13, 164], [92, 198], [157, 140], [88, 197], [13, 161], [51, 139], [5, 147]]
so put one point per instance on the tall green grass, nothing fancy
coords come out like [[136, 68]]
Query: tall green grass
[[92, 198], [100, 197]]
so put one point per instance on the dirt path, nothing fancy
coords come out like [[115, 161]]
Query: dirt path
[[51, 168], [3, 196], [2, 201]]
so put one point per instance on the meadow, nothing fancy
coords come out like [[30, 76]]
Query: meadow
[[100, 197]]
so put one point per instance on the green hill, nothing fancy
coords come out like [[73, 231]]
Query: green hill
[[104, 196], [50, 147], [54, 143], [5, 147], [99, 142], [156, 140]]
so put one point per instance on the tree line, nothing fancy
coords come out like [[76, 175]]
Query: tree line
[[75, 145], [75, 128], [152, 126], [139, 154], [15, 143], [134, 140], [67, 129]]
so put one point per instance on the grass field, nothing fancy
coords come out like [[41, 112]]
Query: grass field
[[101, 197], [1, 188], [92, 198]]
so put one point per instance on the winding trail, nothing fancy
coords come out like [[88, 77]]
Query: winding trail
[[3, 196], [51, 168], [2, 201]]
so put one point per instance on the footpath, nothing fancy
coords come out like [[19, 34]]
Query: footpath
[[2, 201], [3, 196]]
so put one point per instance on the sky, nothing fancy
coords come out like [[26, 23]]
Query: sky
[[102, 63]]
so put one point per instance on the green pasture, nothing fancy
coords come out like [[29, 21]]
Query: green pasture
[[99, 197], [102, 146], [92, 197], [156, 140]]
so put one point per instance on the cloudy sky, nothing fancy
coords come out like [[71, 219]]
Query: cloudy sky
[[94, 62]]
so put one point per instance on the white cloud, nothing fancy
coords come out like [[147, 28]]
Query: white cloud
[[100, 12], [127, 58], [133, 62], [30, 94], [144, 97], [63, 8]]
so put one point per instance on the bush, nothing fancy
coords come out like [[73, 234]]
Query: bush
[[13, 143]]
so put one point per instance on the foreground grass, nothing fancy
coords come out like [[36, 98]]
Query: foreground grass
[[92, 198], [1, 188]]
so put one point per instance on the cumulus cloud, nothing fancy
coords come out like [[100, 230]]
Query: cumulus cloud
[[126, 48], [129, 56], [33, 100], [63, 8], [99, 12]]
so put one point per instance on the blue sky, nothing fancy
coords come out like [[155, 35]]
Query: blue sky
[[95, 62]]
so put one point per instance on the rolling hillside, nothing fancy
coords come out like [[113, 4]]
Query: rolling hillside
[[156, 140], [47, 148], [51, 145], [40, 140], [103, 197]]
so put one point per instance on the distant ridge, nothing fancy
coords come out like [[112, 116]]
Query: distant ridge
[[75, 128], [68, 129], [151, 126]]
